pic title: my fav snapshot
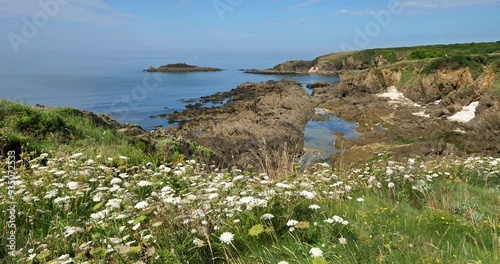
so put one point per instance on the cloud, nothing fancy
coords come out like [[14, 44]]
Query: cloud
[[357, 12], [303, 4], [81, 11], [427, 4], [422, 5]]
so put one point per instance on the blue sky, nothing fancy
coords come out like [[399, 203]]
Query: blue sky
[[237, 27]]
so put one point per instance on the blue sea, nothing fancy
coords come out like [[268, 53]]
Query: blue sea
[[118, 85]]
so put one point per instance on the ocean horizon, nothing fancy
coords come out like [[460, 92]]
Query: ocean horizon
[[119, 87]]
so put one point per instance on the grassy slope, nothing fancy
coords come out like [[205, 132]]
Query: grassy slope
[[393, 55], [96, 210]]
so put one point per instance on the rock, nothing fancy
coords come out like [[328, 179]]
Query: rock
[[181, 67], [257, 118]]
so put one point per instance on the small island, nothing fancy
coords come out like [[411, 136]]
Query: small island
[[181, 67]]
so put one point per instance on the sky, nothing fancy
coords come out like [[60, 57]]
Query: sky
[[239, 27]]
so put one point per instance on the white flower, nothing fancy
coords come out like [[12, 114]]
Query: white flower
[[141, 205], [70, 230], [77, 155], [123, 158], [292, 222], [316, 252], [115, 181], [283, 262], [50, 194], [389, 172], [307, 194], [342, 240], [267, 217], [226, 237], [114, 203], [72, 185], [411, 161], [390, 185], [314, 207], [144, 183], [283, 185], [198, 242], [136, 226], [360, 200], [213, 196], [44, 155]]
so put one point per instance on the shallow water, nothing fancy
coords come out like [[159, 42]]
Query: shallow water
[[319, 140], [118, 86]]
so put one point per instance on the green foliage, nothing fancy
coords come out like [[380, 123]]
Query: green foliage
[[426, 54], [453, 63]]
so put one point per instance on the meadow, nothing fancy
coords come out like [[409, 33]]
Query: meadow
[[84, 192]]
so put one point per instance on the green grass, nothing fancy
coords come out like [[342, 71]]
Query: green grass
[[84, 202], [437, 211]]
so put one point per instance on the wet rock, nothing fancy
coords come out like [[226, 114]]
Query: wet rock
[[270, 113]]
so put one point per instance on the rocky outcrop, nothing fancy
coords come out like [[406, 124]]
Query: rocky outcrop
[[181, 67], [269, 115]]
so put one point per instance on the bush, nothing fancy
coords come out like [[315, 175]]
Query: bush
[[454, 63]]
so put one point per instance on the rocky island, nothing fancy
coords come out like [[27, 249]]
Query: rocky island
[[181, 67]]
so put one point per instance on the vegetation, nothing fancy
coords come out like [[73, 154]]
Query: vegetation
[[88, 193], [470, 54], [31, 131]]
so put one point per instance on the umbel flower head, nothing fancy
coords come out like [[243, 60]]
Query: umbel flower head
[[226, 237]]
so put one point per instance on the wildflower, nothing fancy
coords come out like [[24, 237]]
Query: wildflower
[[292, 222], [50, 194], [123, 158], [141, 205], [307, 194], [390, 185], [283, 185], [266, 217], [316, 252], [213, 196], [389, 172], [77, 155], [114, 203], [70, 230], [198, 242], [283, 262], [342, 240], [144, 183], [115, 181], [314, 207], [360, 200], [136, 226], [72, 185], [411, 161], [226, 237]]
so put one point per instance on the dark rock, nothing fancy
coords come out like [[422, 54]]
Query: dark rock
[[270, 114]]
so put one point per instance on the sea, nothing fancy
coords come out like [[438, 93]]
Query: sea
[[118, 86]]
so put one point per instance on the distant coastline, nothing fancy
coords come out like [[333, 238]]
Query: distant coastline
[[182, 67]]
